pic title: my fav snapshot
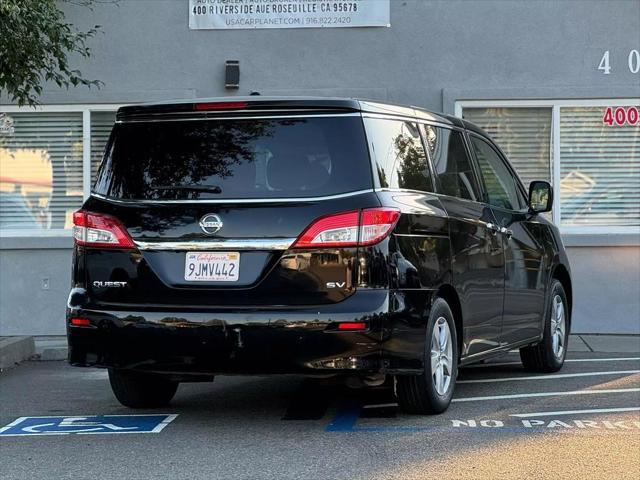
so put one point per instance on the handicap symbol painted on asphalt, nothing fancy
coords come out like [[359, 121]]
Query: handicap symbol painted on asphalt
[[96, 424]]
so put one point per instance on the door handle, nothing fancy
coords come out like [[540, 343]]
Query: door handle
[[493, 228], [506, 231]]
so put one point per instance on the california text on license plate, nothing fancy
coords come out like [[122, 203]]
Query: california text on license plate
[[212, 266]]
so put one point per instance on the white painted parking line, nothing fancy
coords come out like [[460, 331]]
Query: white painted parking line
[[576, 412], [549, 377], [614, 359], [571, 360], [546, 394]]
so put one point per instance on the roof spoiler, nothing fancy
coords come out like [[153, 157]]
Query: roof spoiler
[[212, 108]]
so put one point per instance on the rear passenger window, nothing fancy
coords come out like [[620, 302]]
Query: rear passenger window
[[451, 162], [400, 158]]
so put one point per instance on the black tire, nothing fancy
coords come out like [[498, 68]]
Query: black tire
[[139, 390], [544, 357], [418, 394]]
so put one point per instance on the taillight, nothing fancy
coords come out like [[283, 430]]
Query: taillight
[[349, 229], [98, 230], [352, 326]]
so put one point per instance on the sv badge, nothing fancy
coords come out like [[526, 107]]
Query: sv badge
[[336, 284]]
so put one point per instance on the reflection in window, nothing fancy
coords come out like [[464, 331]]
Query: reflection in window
[[399, 155], [524, 135], [40, 170], [272, 158], [450, 159], [599, 169], [498, 181]]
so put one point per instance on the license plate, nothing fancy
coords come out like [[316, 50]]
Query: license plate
[[212, 266]]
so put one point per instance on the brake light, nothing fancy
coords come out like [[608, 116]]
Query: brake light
[[220, 105], [80, 322], [352, 326], [99, 230], [349, 229]]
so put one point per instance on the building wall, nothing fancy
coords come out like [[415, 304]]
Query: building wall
[[146, 51], [27, 306], [434, 53]]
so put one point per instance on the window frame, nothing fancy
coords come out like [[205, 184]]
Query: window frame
[[554, 149], [422, 126], [85, 110]]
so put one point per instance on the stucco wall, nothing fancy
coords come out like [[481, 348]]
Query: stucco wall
[[146, 51], [606, 289], [25, 307]]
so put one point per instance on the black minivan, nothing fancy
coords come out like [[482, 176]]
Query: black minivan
[[313, 236]]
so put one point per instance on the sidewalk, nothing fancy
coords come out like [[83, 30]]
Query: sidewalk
[[604, 343], [14, 350]]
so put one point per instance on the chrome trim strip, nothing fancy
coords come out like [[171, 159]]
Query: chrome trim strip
[[237, 117], [205, 245], [403, 190], [235, 200], [425, 234]]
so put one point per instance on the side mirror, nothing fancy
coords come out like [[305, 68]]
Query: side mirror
[[540, 196]]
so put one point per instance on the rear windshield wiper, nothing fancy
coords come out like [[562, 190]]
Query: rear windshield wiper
[[193, 188]]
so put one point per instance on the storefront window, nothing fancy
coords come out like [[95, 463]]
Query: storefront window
[[599, 169], [40, 170]]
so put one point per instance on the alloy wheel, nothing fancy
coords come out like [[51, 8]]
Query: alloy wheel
[[557, 326], [441, 356]]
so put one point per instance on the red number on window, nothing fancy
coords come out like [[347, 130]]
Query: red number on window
[[632, 115], [620, 116]]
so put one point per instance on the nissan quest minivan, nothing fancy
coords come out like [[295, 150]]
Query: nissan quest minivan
[[314, 236]]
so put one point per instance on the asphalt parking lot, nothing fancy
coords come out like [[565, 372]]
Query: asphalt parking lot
[[583, 422]]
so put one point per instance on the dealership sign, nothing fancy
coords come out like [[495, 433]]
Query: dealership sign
[[232, 14]]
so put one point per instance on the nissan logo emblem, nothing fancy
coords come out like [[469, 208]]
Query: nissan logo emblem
[[210, 223]]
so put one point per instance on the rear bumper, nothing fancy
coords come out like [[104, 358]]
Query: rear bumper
[[235, 341]]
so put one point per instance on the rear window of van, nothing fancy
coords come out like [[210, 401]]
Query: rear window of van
[[235, 159]]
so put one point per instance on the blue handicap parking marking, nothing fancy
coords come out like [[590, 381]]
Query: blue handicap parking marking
[[92, 424], [345, 419]]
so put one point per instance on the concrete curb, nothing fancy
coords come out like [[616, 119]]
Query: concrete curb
[[14, 350], [51, 348], [52, 354]]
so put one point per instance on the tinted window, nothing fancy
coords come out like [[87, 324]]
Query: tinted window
[[498, 180], [450, 159], [302, 157], [399, 155]]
